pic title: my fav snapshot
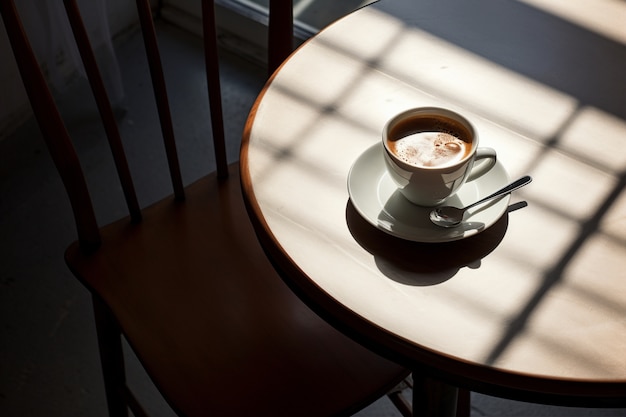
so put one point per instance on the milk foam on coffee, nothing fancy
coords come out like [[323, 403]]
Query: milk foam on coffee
[[430, 149]]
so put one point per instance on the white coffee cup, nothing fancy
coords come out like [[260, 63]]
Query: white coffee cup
[[430, 153]]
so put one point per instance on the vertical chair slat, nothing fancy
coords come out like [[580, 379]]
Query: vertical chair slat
[[280, 36], [160, 93], [54, 131], [104, 107], [213, 85]]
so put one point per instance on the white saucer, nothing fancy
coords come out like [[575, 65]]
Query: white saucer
[[376, 197]]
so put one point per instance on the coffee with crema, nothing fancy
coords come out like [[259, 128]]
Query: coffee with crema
[[430, 141]]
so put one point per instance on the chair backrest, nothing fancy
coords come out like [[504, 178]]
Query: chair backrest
[[56, 135], [280, 37]]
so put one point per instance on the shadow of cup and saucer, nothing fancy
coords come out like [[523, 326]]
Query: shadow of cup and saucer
[[422, 263]]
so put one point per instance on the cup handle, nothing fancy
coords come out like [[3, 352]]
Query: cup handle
[[489, 157]]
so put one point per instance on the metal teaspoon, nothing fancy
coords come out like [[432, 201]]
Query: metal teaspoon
[[448, 216]]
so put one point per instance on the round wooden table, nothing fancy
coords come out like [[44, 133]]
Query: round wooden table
[[528, 304]]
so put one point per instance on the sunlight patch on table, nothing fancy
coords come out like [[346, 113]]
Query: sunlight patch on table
[[366, 38], [569, 185], [415, 58], [552, 342], [613, 223], [376, 98], [288, 129], [606, 17], [459, 76], [568, 337], [333, 144], [489, 292], [485, 296], [334, 70], [599, 249], [552, 352], [516, 152], [597, 137], [542, 235]]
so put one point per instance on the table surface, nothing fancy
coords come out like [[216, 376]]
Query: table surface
[[536, 303]]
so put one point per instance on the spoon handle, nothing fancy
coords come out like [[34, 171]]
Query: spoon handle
[[506, 190]]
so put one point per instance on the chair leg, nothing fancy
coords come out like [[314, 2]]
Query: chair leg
[[435, 398], [464, 403], [111, 358]]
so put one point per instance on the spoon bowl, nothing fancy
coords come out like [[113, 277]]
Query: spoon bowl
[[448, 216]]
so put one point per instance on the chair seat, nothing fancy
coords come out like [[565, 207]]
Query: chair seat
[[218, 330]]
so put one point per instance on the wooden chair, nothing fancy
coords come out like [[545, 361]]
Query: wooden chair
[[185, 279]]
